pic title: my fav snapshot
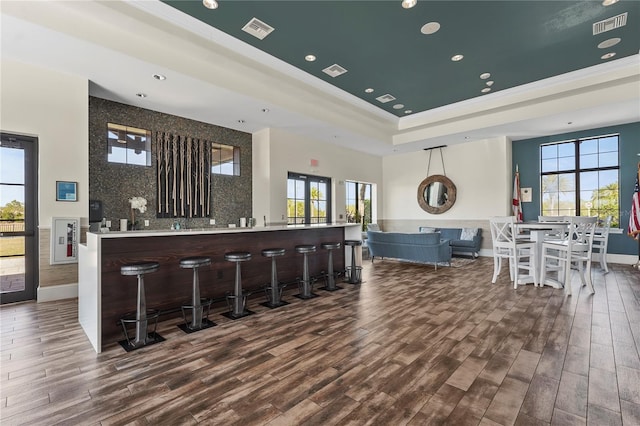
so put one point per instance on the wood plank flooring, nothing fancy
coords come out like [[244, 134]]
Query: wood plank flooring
[[409, 346]]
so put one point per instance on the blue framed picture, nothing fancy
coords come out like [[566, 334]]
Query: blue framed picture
[[66, 191]]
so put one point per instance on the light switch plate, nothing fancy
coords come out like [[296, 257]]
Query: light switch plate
[[146, 222]]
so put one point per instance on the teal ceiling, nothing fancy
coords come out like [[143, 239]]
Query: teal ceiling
[[381, 46]]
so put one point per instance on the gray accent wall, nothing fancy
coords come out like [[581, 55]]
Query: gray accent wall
[[114, 184]]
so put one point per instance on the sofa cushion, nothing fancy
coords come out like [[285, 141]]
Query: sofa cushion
[[463, 243], [426, 229], [468, 233], [450, 233]]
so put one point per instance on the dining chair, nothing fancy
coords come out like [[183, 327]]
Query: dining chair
[[520, 253], [575, 248], [553, 234], [601, 241]]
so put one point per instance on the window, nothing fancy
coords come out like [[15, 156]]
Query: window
[[225, 160], [358, 203], [581, 178], [128, 145], [308, 199]]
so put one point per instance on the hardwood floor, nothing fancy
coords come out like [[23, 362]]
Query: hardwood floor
[[409, 346]]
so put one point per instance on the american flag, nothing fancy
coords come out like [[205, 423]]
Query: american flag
[[516, 203], [634, 219]]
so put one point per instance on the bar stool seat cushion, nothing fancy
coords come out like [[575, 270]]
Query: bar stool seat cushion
[[272, 252], [353, 242], [305, 248], [331, 246], [237, 256], [194, 262], [139, 268]]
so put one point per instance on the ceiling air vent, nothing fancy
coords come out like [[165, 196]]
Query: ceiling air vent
[[334, 70], [257, 28], [610, 24], [385, 98]]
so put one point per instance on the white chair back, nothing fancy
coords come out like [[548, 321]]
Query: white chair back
[[601, 241]]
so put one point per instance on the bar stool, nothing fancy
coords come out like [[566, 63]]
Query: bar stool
[[331, 274], [198, 304], [142, 315], [354, 273], [305, 284], [237, 308], [274, 291]]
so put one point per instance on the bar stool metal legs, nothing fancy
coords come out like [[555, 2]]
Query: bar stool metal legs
[[142, 316], [354, 272], [331, 274], [305, 285], [238, 298], [199, 320], [274, 290]]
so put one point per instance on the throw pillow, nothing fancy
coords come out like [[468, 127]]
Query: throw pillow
[[373, 227], [468, 233], [427, 229]]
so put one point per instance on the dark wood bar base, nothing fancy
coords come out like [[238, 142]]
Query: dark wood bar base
[[170, 287]]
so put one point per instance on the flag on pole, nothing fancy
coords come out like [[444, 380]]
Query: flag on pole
[[516, 202], [634, 218]]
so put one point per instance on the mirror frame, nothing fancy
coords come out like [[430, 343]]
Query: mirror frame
[[451, 194]]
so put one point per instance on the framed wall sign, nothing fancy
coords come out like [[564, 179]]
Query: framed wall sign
[[66, 191], [65, 234]]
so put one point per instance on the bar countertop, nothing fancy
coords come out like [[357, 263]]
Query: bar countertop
[[215, 230]]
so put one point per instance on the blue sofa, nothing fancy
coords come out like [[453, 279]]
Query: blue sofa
[[413, 247], [470, 246]]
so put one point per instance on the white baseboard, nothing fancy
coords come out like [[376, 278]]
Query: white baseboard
[[57, 292]]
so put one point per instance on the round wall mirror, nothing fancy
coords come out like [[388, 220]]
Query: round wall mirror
[[436, 194]]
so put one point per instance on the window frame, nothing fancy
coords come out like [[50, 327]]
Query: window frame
[[308, 180], [576, 171], [235, 162], [368, 213], [128, 130]]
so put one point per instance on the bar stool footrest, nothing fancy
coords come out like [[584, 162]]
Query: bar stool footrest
[[152, 337], [353, 278]]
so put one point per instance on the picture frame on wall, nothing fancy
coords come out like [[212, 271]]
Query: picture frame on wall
[[66, 191]]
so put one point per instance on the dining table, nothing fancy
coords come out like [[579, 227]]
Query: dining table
[[537, 232]]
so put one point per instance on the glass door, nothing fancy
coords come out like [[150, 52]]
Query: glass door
[[18, 212]]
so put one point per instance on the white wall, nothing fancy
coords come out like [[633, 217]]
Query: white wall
[[54, 108], [289, 152], [480, 170]]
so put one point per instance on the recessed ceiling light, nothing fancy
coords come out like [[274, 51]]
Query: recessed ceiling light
[[210, 4], [398, 106], [408, 111], [241, 121], [609, 2], [489, 83], [310, 58], [141, 95], [608, 43], [159, 77], [408, 4], [486, 90], [608, 55], [570, 122], [369, 90], [430, 28], [456, 58], [485, 75], [265, 109]]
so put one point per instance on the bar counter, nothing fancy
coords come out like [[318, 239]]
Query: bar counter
[[104, 295]]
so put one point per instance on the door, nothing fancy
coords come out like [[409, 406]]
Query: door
[[18, 217]]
